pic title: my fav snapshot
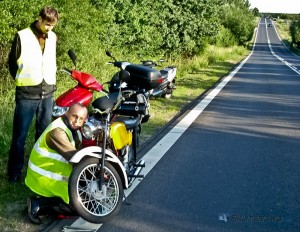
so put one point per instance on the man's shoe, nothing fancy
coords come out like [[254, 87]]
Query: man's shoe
[[14, 179], [33, 210]]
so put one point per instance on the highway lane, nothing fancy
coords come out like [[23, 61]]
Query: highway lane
[[276, 45], [236, 167]]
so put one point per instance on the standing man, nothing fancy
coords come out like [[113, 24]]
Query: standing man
[[48, 167], [32, 63]]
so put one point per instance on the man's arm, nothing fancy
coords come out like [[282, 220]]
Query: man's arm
[[58, 140], [14, 55]]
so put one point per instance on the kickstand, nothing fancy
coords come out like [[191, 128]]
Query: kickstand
[[125, 200]]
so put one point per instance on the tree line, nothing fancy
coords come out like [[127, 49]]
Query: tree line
[[181, 27]]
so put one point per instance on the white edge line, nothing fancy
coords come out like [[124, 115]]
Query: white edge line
[[277, 56]]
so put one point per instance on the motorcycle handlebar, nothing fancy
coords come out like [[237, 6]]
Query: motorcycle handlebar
[[119, 64], [68, 71], [130, 92], [148, 63], [105, 91]]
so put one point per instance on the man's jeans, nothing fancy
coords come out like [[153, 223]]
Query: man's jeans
[[24, 113]]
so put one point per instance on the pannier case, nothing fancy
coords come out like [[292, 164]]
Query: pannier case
[[143, 77]]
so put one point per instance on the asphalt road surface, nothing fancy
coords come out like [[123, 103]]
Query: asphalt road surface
[[236, 166]]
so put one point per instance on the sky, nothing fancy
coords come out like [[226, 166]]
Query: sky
[[276, 6]]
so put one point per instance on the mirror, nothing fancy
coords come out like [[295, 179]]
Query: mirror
[[72, 55], [108, 53]]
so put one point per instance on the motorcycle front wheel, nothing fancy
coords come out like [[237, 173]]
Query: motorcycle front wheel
[[94, 203]]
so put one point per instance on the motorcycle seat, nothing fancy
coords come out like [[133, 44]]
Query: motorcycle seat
[[103, 103], [129, 121]]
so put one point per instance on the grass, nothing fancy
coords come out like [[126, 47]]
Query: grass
[[194, 76]]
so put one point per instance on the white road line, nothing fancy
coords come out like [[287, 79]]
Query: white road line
[[278, 57], [159, 150]]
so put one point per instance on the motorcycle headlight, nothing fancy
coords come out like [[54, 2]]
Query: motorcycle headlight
[[59, 111], [90, 128]]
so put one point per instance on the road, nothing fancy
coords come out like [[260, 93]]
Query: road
[[236, 166]]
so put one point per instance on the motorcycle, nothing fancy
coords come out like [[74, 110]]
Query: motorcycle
[[142, 78], [166, 88], [109, 164], [167, 83]]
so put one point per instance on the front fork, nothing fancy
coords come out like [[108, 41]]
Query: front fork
[[102, 160]]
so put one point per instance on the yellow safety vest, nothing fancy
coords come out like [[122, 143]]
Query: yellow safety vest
[[33, 65], [48, 172]]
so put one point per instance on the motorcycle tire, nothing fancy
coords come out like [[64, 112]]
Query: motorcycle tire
[[91, 203], [167, 95]]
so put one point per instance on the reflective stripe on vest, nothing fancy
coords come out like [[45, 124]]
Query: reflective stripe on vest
[[48, 171], [48, 174], [33, 65], [48, 154]]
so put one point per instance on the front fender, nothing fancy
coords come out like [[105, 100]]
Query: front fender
[[95, 151]]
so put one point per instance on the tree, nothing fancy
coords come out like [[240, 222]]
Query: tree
[[295, 33], [239, 19], [167, 26], [255, 11]]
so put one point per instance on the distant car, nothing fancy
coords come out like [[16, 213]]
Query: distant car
[[270, 25]]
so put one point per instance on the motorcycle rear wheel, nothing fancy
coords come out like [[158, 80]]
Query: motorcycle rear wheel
[[90, 202]]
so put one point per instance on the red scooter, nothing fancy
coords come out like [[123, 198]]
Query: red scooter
[[82, 93]]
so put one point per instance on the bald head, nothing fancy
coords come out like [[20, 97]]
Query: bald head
[[76, 115]]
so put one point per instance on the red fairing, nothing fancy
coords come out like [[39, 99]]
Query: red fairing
[[76, 94], [86, 80]]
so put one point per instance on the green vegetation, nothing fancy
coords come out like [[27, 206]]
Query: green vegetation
[[284, 29], [202, 38], [295, 32], [238, 20]]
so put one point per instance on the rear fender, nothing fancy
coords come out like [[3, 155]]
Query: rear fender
[[95, 151]]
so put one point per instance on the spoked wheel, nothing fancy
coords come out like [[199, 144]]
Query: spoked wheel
[[92, 202]]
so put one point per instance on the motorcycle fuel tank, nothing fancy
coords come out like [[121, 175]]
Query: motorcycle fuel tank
[[120, 136]]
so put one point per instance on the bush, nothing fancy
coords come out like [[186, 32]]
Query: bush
[[237, 18], [225, 38], [295, 31]]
